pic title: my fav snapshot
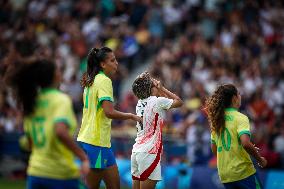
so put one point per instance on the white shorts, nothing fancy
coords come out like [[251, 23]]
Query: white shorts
[[145, 166]]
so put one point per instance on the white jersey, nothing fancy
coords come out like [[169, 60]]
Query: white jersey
[[149, 134]]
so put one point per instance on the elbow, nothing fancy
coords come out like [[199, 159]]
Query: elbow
[[214, 149], [246, 145], [60, 133], [177, 103], [109, 114], [180, 102]]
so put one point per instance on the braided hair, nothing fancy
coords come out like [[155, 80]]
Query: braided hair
[[94, 58], [142, 85], [216, 104]]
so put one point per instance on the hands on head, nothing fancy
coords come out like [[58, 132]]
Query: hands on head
[[157, 83]]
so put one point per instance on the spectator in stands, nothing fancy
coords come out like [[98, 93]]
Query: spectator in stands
[[205, 42]]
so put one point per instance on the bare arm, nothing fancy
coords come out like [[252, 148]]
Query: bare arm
[[61, 130], [250, 148], [111, 113], [25, 143], [168, 94], [214, 149], [177, 101]]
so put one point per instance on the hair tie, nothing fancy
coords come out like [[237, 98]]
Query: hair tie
[[96, 50]]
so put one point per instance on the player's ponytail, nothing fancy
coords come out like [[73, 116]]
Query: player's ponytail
[[216, 104], [94, 58], [27, 79]]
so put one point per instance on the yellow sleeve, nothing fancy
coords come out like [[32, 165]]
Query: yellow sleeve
[[26, 127], [63, 111], [213, 138], [105, 91], [243, 126]]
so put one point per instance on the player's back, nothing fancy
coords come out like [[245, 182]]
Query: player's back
[[50, 158], [149, 133], [234, 163], [95, 128]]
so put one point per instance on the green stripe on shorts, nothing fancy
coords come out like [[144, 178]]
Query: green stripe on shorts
[[99, 160]]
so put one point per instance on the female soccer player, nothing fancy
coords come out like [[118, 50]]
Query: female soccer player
[[98, 110], [230, 138], [49, 123], [154, 100]]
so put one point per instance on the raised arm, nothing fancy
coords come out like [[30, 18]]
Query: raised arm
[[168, 94]]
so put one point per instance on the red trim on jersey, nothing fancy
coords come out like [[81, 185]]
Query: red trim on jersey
[[151, 168], [135, 178], [156, 122]]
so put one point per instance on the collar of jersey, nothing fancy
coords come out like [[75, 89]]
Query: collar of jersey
[[101, 72], [48, 90], [231, 109]]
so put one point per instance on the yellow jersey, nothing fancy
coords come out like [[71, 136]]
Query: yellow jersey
[[96, 127], [49, 157], [233, 162]]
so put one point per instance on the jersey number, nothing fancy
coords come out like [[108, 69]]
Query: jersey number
[[38, 133], [87, 98], [142, 113], [226, 145]]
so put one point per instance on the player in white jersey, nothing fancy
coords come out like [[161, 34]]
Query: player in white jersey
[[153, 102]]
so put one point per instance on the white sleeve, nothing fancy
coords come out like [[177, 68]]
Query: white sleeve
[[164, 103]]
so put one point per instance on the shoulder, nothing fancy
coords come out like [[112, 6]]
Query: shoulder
[[102, 80], [62, 98], [241, 117], [163, 100], [163, 103], [153, 98], [102, 77]]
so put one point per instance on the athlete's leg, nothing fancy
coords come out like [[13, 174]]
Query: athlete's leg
[[94, 178], [94, 153], [111, 177], [149, 168], [135, 184], [134, 171], [148, 184]]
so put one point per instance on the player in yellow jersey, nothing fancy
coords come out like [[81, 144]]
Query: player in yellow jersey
[[230, 140], [49, 123], [98, 111]]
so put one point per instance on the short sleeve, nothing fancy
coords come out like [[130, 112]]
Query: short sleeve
[[243, 126], [26, 127], [105, 91], [63, 111], [213, 138], [164, 103]]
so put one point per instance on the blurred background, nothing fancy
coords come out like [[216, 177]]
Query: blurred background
[[190, 45]]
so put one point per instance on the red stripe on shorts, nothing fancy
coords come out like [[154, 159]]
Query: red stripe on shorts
[[151, 168]]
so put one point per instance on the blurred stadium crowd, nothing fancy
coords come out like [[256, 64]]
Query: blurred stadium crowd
[[193, 46]]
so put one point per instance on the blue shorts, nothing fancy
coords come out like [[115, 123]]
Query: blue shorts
[[251, 182], [46, 183], [99, 157]]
